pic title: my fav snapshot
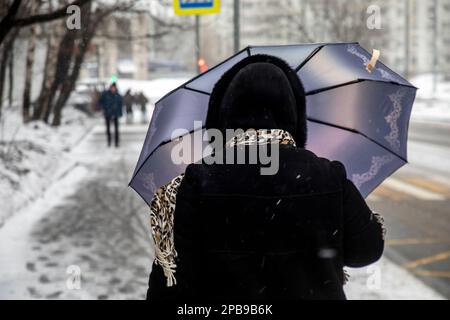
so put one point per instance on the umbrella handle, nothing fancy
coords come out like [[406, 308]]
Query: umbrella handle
[[373, 61]]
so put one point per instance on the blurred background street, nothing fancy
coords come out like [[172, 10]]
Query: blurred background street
[[64, 199], [415, 204]]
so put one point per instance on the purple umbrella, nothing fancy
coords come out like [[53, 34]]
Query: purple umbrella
[[356, 116]]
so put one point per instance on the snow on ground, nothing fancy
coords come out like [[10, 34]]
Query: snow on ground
[[153, 89], [33, 155], [89, 220], [430, 106], [425, 84], [17, 243], [387, 281]]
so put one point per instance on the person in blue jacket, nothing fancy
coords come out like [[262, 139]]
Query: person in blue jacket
[[111, 103]]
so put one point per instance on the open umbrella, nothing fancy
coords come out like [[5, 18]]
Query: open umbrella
[[357, 113]]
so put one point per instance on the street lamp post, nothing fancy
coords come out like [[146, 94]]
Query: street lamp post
[[197, 42], [197, 8]]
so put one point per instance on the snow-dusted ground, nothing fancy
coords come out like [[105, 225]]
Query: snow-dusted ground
[[34, 155], [387, 281], [430, 106], [87, 221]]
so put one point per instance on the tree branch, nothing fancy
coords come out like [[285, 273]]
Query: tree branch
[[10, 21], [45, 17], [155, 35]]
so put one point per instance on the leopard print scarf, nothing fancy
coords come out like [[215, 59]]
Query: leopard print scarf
[[261, 137]]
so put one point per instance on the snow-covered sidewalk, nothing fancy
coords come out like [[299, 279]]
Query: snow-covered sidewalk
[[33, 156], [386, 280], [88, 221]]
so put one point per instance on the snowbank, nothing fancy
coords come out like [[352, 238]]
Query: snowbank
[[425, 84], [387, 281], [429, 105], [16, 241], [33, 155]]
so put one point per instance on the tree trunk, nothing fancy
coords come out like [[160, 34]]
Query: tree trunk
[[43, 101], [63, 62], [26, 103], [3, 65], [6, 56], [7, 23], [71, 80], [11, 76], [71, 75]]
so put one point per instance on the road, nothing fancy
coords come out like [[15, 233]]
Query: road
[[415, 203], [100, 227]]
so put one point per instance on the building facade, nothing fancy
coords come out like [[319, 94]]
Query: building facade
[[414, 36]]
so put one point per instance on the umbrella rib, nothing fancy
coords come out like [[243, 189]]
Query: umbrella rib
[[183, 86], [196, 90], [156, 148], [137, 191], [215, 67], [313, 92], [398, 75], [357, 132], [309, 118], [311, 55]]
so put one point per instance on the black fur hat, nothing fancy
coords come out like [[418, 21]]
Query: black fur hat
[[260, 92]]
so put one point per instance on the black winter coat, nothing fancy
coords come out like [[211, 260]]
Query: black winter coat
[[240, 234]]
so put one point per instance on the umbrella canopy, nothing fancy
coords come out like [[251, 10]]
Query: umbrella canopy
[[355, 116]]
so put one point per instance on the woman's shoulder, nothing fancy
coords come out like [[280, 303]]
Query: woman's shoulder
[[302, 157]]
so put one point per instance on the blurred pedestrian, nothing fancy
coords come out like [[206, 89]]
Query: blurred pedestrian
[[225, 231], [142, 100], [111, 104], [128, 100]]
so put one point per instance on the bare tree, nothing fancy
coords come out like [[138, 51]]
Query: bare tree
[[26, 102], [66, 49], [10, 75], [12, 18], [6, 58], [62, 57], [83, 37], [53, 36], [330, 21], [67, 75]]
